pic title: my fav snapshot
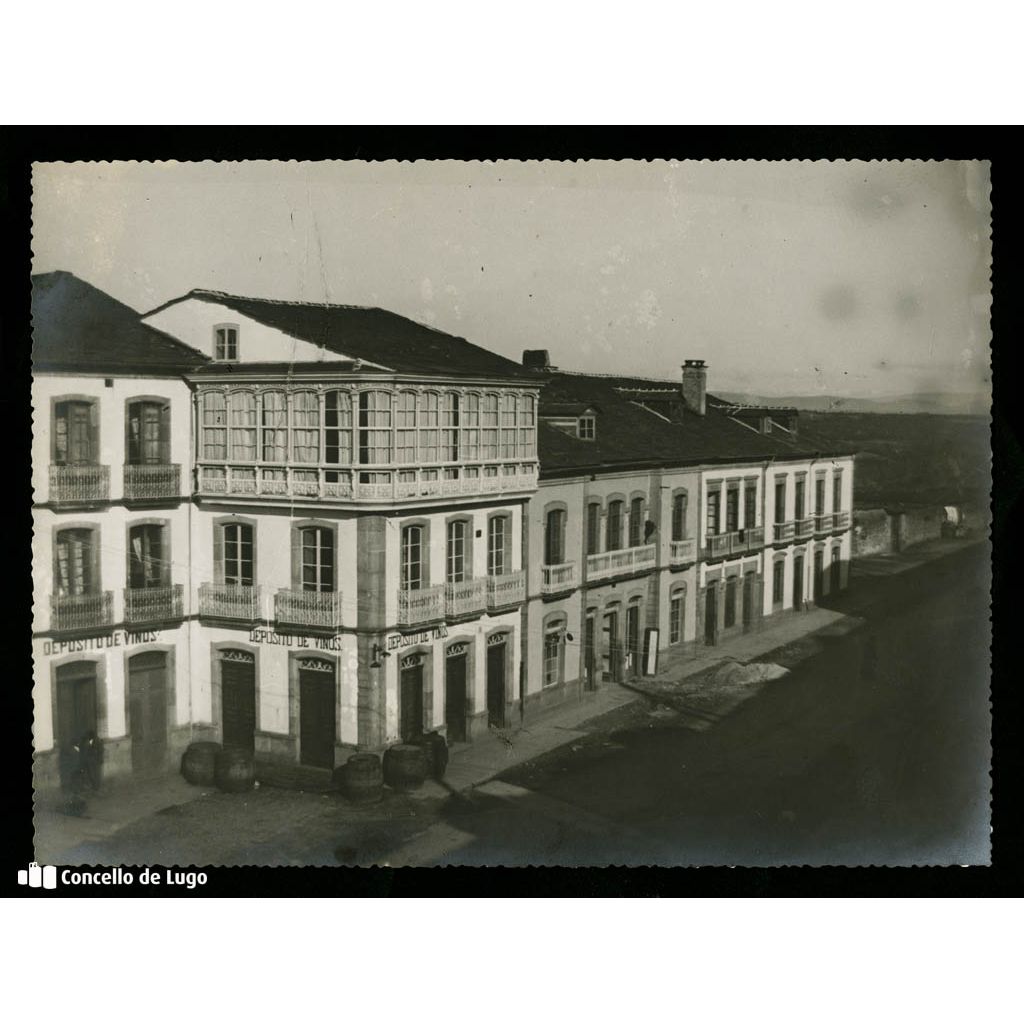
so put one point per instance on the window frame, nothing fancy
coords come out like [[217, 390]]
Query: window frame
[[91, 403], [164, 558], [226, 358], [423, 561], [220, 544], [94, 582], [464, 572], [586, 428], [505, 519], [298, 531]]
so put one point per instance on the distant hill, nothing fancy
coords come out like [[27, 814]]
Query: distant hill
[[943, 403]]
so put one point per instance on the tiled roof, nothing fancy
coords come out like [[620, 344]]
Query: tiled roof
[[364, 332], [629, 435], [75, 326]]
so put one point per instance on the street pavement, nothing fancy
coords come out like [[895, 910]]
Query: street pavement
[[873, 748]]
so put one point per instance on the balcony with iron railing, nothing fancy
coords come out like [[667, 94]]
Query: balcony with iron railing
[[842, 521], [557, 578], [682, 552], [388, 483], [152, 482], [81, 611], [468, 597], [822, 522], [736, 542], [427, 604], [507, 589], [804, 528], [226, 601], [79, 484], [319, 609], [622, 562], [153, 604]]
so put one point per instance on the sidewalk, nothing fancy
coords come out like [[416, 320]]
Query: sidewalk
[[891, 564]]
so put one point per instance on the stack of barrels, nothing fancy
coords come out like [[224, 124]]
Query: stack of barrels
[[404, 768], [435, 750], [234, 770]]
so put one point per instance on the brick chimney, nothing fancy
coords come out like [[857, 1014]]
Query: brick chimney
[[695, 375]]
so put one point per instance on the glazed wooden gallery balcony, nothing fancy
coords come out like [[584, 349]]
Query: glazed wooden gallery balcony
[[320, 609], [622, 562], [555, 579], [79, 484], [153, 604], [81, 611], [384, 485], [152, 482], [225, 601], [738, 542], [682, 552]]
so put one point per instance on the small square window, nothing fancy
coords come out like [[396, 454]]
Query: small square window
[[225, 343], [587, 428]]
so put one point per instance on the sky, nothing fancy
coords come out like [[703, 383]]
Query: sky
[[855, 279]]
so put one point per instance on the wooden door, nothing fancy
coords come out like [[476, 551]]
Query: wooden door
[[819, 574], [798, 584], [496, 684], [147, 700], [316, 717], [609, 650], [748, 599], [455, 698], [711, 615], [633, 639], [410, 703], [836, 581], [590, 653], [238, 701]]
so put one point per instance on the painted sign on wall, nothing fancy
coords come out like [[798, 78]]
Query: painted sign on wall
[[115, 638], [423, 636]]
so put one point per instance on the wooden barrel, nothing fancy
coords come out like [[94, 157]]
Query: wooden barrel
[[234, 770], [405, 767], [435, 750], [198, 763], [362, 779]]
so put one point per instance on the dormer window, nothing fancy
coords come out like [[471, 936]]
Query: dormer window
[[225, 343], [587, 428]]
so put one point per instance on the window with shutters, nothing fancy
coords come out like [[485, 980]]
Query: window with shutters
[[778, 583], [613, 526], [677, 616], [338, 428], [780, 501], [149, 558], [405, 427], [554, 635], [315, 551], [275, 426], [714, 512], [75, 433], [636, 522], [680, 502], [148, 432], [819, 496], [242, 420], [305, 427], [730, 602], [450, 428], [76, 562], [456, 565], [732, 510], [413, 575], [374, 428], [554, 537], [225, 343], [837, 491], [799, 505], [498, 533], [593, 528], [235, 553], [750, 506]]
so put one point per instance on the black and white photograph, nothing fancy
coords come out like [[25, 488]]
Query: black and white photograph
[[511, 513]]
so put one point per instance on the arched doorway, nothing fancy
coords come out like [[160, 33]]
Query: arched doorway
[[76, 712], [238, 699]]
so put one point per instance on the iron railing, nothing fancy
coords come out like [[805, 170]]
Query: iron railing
[[226, 601], [466, 598], [81, 611], [424, 605], [153, 604], [318, 608], [79, 483], [507, 589], [151, 481], [555, 578]]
